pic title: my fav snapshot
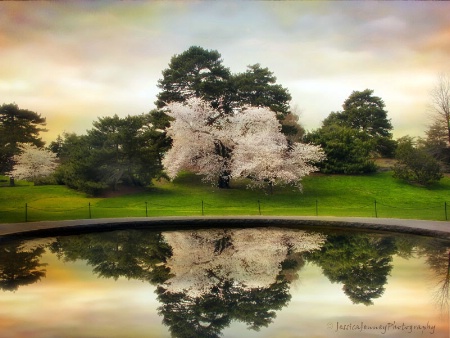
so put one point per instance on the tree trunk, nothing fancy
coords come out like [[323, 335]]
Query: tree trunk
[[224, 181], [224, 177], [448, 129]]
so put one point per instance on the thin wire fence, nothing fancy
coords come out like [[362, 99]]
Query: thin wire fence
[[30, 212]]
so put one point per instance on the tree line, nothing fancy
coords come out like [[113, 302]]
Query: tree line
[[223, 125]]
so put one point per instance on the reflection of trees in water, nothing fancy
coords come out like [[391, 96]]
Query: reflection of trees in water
[[251, 258], [130, 254], [437, 255], [226, 275], [209, 314], [208, 278], [20, 265], [361, 262]]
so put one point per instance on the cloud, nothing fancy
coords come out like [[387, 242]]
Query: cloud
[[88, 59]]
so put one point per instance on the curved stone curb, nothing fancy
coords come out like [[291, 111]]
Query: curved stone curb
[[54, 228]]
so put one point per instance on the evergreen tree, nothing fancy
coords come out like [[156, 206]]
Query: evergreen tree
[[17, 126]]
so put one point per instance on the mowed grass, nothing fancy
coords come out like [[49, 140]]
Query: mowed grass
[[377, 195]]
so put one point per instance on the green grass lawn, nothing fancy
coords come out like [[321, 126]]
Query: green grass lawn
[[324, 195]]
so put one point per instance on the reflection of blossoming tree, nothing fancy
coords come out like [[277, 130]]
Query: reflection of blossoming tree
[[225, 275], [250, 257]]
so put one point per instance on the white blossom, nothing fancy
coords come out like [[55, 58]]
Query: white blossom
[[252, 137], [194, 140], [33, 162]]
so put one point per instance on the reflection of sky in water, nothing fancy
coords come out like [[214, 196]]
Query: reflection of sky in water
[[72, 302], [316, 303]]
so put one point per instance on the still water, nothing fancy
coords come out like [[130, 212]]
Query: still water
[[259, 282]]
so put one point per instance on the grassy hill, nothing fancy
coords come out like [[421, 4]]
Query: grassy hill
[[325, 195]]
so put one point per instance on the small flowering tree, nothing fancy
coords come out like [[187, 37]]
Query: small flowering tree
[[247, 143], [33, 162]]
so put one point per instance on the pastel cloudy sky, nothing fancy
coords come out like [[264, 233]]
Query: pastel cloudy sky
[[74, 61]]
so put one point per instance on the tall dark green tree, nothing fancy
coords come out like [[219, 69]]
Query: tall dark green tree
[[17, 126], [353, 137], [159, 121], [124, 148], [257, 87], [78, 165], [348, 151], [199, 72], [196, 72], [116, 150], [365, 112]]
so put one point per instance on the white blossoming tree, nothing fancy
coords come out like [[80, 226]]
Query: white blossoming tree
[[247, 144], [251, 258], [33, 162]]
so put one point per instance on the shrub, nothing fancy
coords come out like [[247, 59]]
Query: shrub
[[414, 164], [348, 151], [45, 180]]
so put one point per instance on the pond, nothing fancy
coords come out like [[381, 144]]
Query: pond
[[227, 282]]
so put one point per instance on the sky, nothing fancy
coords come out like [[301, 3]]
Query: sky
[[73, 62]]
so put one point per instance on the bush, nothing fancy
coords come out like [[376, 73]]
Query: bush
[[348, 151], [67, 175], [45, 180], [92, 188], [415, 165]]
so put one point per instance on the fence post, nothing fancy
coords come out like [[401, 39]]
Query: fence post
[[317, 208], [445, 206], [376, 212], [90, 214], [146, 209], [26, 212], [203, 213], [259, 207]]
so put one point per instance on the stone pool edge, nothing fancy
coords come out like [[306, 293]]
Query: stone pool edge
[[439, 229]]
